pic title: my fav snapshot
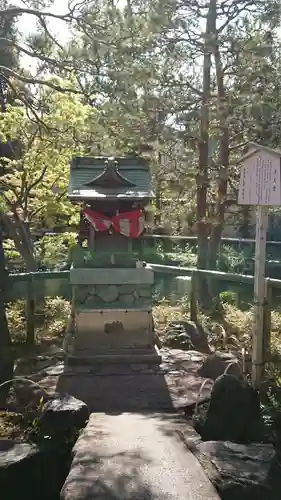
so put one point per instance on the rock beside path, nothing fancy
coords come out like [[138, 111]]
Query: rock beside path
[[218, 363], [243, 472], [63, 416], [233, 413], [36, 470], [186, 335], [30, 472]]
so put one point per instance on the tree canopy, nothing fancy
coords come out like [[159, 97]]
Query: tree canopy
[[189, 83]]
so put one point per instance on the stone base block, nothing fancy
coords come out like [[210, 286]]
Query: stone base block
[[130, 357], [102, 331], [112, 336]]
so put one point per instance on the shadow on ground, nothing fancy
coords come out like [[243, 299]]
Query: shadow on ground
[[174, 386], [113, 393], [122, 481], [134, 456]]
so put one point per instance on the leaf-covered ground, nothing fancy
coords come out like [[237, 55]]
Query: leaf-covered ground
[[14, 426]]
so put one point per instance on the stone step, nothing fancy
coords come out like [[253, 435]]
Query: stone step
[[135, 457], [126, 356]]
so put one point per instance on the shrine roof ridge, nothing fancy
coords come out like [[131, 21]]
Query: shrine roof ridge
[[111, 178], [127, 162]]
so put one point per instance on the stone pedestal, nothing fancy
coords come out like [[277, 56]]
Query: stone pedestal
[[112, 316]]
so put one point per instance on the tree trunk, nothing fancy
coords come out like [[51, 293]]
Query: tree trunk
[[6, 356], [18, 232], [203, 169], [222, 178], [157, 217]]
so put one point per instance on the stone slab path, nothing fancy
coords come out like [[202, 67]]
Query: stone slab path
[[174, 385], [131, 448], [135, 457]]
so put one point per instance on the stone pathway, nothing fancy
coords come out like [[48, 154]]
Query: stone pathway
[[173, 385], [135, 457], [136, 447], [131, 449]]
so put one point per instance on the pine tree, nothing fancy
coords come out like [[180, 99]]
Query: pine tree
[[9, 58]]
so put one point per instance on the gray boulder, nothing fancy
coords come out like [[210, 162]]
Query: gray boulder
[[217, 363], [29, 471], [233, 413], [239, 471], [186, 335], [63, 416]]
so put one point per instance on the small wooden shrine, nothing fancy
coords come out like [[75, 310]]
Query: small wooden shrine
[[111, 289]]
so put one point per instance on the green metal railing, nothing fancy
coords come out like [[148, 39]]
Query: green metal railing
[[34, 287]]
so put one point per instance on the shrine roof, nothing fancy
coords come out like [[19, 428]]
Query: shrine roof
[[100, 178]]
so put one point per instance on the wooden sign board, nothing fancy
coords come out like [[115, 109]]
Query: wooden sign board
[[260, 186], [260, 179]]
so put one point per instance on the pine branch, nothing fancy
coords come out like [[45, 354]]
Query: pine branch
[[36, 81]]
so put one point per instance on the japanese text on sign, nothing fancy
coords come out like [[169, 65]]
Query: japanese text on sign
[[260, 180]]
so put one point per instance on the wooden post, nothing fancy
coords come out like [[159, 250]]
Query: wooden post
[[193, 297], [267, 319], [238, 297], [30, 316], [259, 295]]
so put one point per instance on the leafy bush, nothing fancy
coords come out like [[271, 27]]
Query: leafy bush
[[186, 257], [231, 260], [52, 252], [228, 297], [156, 255], [50, 319]]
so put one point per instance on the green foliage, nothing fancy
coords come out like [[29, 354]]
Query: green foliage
[[228, 297], [271, 412], [9, 248], [140, 88], [50, 320], [53, 251], [231, 260], [155, 255], [186, 257], [36, 183]]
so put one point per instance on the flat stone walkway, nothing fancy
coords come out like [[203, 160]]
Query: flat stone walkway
[[135, 457], [173, 386]]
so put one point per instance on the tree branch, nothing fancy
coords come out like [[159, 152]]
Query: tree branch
[[60, 64], [36, 81], [18, 11]]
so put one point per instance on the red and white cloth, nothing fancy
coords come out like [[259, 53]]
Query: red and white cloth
[[129, 224]]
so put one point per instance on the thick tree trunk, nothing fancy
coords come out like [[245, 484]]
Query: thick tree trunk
[[6, 356], [203, 169], [222, 178]]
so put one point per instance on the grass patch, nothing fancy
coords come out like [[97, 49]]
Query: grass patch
[[50, 320], [231, 331], [164, 313]]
